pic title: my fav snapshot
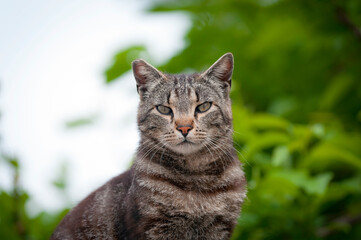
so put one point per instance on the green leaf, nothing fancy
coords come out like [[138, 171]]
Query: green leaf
[[122, 62], [312, 185], [281, 156], [266, 121], [80, 122], [327, 153], [339, 86], [61, 179], [13, 161], [318, 184], [260, 142]]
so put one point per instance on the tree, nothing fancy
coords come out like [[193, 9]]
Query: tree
[[296, 102]]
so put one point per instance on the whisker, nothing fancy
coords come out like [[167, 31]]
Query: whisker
[[229, 142]]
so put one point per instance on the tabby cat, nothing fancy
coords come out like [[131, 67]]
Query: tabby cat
[[186, 181]]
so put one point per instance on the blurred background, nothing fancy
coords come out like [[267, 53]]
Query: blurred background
[[68, 104]]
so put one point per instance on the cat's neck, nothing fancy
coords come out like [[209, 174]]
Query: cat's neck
[[210, 159], [209, 170]]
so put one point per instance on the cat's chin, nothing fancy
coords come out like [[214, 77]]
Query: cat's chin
[[186, 148]]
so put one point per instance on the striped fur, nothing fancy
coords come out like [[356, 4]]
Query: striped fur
[[180, 186]]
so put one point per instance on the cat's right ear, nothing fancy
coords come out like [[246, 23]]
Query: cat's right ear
[[145, 73]]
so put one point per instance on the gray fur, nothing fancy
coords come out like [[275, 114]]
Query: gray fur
[[175, 189]]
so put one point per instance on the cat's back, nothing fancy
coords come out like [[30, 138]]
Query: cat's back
[[99, 215]]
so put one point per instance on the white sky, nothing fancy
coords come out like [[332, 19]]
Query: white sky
[[52, 58]]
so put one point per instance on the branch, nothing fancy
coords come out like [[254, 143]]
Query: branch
[[16, 195], [341, 221], [346, 21]]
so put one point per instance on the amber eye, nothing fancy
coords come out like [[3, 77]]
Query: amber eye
[[164, 110], [203, 107]]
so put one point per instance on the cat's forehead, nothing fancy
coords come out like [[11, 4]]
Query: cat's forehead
[[183, 88], [183, 80]]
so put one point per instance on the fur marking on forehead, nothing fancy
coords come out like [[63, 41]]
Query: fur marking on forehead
[[183, 94]]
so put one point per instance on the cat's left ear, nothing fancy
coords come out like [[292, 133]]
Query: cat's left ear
[[145, 73], [222, 69]]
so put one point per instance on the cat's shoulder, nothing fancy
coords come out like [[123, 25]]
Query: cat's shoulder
[[94, 211], [123, 180]]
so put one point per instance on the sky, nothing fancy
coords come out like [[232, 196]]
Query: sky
[[52, 58]]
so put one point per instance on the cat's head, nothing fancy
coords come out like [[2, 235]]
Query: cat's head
[[185, 112]]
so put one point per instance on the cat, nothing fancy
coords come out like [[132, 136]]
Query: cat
[[186, 181]]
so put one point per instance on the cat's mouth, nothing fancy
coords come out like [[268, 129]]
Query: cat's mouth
[[186, 146], [185, 142]]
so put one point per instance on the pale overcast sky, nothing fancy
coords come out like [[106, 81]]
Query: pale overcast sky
[[52, 58]]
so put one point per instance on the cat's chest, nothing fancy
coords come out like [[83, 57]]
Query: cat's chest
[[194, 202], [190, 215], [170, 198]]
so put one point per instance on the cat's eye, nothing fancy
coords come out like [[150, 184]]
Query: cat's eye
[[204, 107], [164, 110]]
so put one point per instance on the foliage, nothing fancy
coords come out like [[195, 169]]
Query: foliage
[[122, 61], [15, 221], [81, 122], [297, 108]]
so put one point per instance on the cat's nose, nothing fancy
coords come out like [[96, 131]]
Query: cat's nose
[[184, 129]]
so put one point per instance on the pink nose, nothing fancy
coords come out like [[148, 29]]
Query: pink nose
[[184, 129]]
